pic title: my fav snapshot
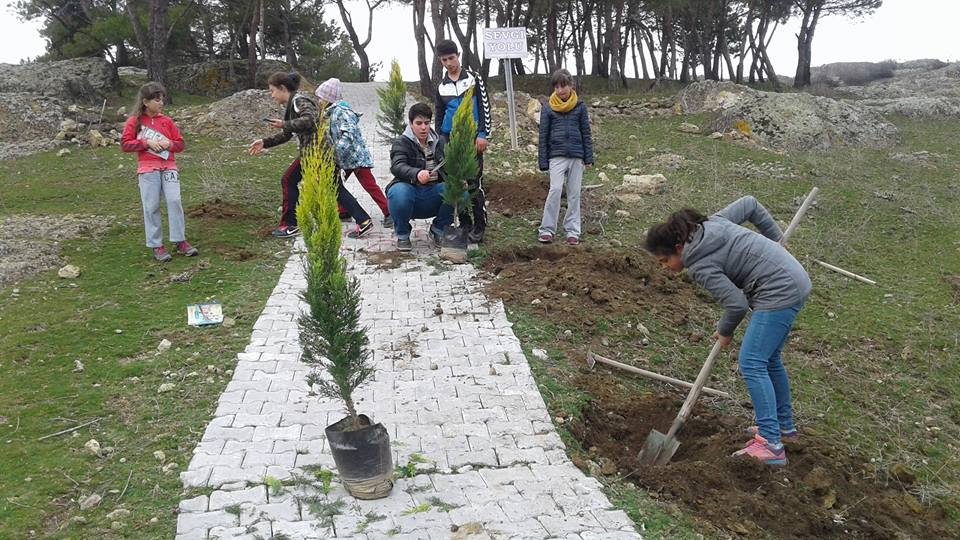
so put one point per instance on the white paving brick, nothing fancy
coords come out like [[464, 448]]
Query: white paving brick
[[455, 389]]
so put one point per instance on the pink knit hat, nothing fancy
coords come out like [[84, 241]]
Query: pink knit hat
[[330, 90]]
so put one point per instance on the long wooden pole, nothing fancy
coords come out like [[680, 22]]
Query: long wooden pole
[[652, 375], [844, 272]]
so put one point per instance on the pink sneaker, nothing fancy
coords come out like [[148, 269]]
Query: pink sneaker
[[759, 449], [161, 254], [184, 248], [785, 436], [545, 238]]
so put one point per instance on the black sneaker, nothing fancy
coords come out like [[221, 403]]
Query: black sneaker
[[387, 222], [404, 244], [475, 235], [285, 231], [361, 229]]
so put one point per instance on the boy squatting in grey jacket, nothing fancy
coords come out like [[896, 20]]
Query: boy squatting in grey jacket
[[743, 269]]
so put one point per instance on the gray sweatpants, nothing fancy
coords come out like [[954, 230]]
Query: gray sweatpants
[[152, 184], [569, 172]]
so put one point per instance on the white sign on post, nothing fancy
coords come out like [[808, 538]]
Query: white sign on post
[[507, 44]]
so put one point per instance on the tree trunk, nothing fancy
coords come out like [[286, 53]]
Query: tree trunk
[[252, 48], [438, 16], [291, 53], [262, 31], [427, 89], [805, 44]]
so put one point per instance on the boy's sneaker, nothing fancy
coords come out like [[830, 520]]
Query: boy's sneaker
[[404, 244], [545, 238], [161, 254], [437, 236], [184, 248], [475, 235], [361, 229], [759, 449], [785, 436], [573, 241], [285, 231], [387, 222]]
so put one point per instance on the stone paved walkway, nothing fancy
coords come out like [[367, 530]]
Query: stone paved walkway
[[453, 388]]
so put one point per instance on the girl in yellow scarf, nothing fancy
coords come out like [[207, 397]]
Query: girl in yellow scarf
[[566, 146]]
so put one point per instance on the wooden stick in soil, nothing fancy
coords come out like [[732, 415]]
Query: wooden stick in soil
[[70, 430], [649, 374], [844, 272]]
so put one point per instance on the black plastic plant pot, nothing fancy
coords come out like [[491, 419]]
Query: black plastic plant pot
[[453, 245], [363, 457]]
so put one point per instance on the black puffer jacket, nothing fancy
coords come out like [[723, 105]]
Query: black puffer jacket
[[407, 157], [565, 135]]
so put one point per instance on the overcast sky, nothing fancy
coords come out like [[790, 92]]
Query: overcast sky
[[900, 30]]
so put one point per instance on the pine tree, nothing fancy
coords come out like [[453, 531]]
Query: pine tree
[[393, 104], [330, 334], [460, 155]]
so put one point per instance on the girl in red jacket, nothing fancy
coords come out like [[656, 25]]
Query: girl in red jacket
[[155, 139]]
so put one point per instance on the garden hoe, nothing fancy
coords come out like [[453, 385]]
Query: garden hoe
[[659, 448]]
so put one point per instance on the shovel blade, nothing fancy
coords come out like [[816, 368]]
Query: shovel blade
[[658, 449]]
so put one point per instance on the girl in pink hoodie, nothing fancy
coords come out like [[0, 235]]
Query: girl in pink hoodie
[[156, 140]]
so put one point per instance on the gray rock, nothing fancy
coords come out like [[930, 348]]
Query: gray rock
[[686, 127], [798, 121], [708, 96], [91, 501], [220, 78], [84, 80]]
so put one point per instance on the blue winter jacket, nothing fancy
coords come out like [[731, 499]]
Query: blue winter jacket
[[349, 149], [565, 135]]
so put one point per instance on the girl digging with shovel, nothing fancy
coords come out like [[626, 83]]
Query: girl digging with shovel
[[742, 270]]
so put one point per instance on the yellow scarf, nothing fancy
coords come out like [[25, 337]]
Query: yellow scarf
[[563, 106]]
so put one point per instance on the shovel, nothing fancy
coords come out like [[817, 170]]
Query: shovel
[[660, 448]]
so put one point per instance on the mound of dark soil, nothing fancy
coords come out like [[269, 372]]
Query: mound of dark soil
[[577, 286], [218, 209], [823, 492], [518, 194]]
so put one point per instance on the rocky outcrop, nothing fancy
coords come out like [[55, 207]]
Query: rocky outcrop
[[78, 80], [805, 122], [710, 96], [787, 121], [220, 78], [238, 117]]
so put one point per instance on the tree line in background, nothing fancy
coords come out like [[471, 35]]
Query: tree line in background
[[655, 39]]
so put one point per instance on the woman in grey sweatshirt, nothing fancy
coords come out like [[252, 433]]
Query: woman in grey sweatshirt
[[744, 270]]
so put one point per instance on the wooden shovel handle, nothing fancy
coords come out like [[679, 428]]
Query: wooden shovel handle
[[695, 391], [796, 219]]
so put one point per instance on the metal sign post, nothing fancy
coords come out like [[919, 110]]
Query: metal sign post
[[507, 44]]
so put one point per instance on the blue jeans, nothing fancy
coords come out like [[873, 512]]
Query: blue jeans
[[407, 202], [763, 370]]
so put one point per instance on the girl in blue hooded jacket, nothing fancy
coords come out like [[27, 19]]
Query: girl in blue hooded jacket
[[744, 270]]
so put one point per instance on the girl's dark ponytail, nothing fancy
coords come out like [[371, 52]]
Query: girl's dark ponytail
[[664, 238], [290, 81]]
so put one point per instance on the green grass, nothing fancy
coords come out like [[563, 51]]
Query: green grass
[[870, 366], [48, 325]]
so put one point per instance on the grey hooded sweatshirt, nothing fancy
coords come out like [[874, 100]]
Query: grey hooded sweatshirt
[[743, 269]]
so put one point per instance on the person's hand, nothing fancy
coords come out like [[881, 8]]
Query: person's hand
[[154, 145], [481, 145], [423, 176], [276, 123], [724, 340], [165, 143], [587, 165], [256, 147]]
